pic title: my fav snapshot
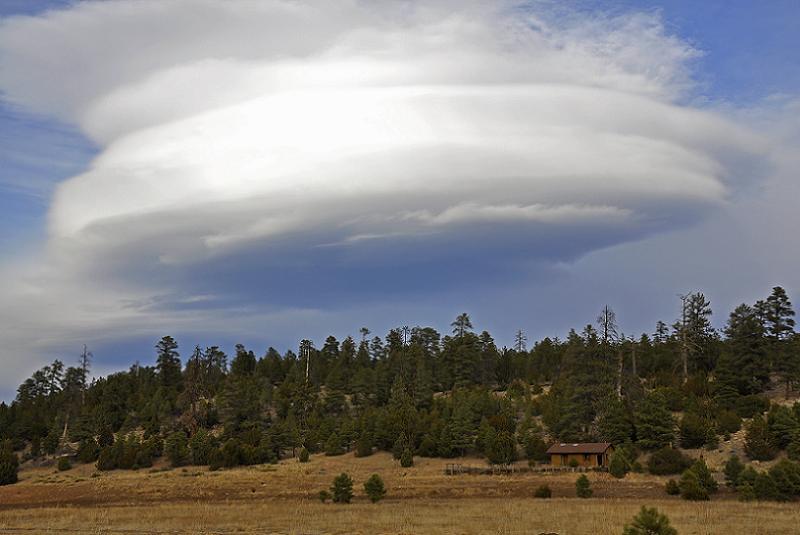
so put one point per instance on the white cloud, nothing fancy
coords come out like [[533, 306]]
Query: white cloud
[[228, 126]]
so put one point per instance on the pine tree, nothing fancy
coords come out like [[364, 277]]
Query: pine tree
[[168, 362], [733, 469], [9, 464], [758, 443], [407, 458], [655, 427], [342, 488], [649, 522], [583, 487], [374, 488]]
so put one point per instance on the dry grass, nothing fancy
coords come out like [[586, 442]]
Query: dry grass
[[282, 499]]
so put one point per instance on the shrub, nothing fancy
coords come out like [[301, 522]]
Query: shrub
[[749, 406], [583, 487], [536, 449], [668, 461], [728, 422], [64, 464], [342, 488], [232, 453], [9, 464], [216, 459], [543, 491], [573, 463], [501, 448], [786, 476], [303, 456], [619, 465], [176, 447], [733, 469], [427, 448], [672, 488], [374, 488], [649, 522], [746, 492], [793, 449], [324, 496], [764, 488], [407, 458]]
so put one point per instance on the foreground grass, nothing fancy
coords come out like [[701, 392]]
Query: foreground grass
[[282, 499], [465, 516]]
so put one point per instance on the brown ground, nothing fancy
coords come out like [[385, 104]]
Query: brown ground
[[282, 499]]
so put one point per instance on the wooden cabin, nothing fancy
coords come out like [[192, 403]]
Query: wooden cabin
[[586, 455]]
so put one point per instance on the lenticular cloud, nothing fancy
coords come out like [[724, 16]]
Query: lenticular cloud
[[234, 124]]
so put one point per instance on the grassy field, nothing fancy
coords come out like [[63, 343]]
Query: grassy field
[[282, 499]]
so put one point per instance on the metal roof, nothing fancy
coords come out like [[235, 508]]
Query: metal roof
[[585, 447]]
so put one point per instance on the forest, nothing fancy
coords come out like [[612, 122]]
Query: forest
[[417, 392]]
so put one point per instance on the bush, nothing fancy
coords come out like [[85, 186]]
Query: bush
[[427, 448], [342, 488], [216, 459], [374, 488], [765, 488], [176, 447], [649, 522], [324, 496], [9, 464], [407, 458], [728, 422], [746, 492], [536, 449], [672, 488], [573, 463], [64, 464], [501, 449], [543, 491], [668, 461], [232, 453], [583, 487], [303, 456], [619, 465], [749, 406]]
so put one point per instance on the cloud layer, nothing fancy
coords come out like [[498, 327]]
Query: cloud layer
[[259, 156]]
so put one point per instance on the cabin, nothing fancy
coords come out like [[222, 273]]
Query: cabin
[[586, 455]]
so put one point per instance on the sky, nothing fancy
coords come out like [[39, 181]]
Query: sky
[[262, 172]]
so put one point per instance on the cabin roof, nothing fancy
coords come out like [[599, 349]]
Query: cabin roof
[[584, 447]]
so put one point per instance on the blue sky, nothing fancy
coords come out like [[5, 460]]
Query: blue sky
[[182, 225]]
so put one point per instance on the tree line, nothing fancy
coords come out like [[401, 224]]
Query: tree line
[[416, 392]]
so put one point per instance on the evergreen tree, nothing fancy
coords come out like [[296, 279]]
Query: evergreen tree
[[342, 488], [655, 427], [374, 488], [168, 362], [583, 487], [733, 469], [649, 522], [407, 458], [176, 448], [758, 443], [9, 464]]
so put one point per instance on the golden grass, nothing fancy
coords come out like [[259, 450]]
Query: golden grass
[[282, 499]]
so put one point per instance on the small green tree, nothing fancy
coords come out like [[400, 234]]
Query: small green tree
[[619, 465], [758, 444], [649, 522], [374, 488], [176, 448], [333, 446], [691, 489], [324, 496], [407, 458], [733, 469], [543, 491], [303, 456], [342, 488], [583, 488], [9, 464]]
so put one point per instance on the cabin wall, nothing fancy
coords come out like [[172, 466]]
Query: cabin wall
[[585, 460]]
